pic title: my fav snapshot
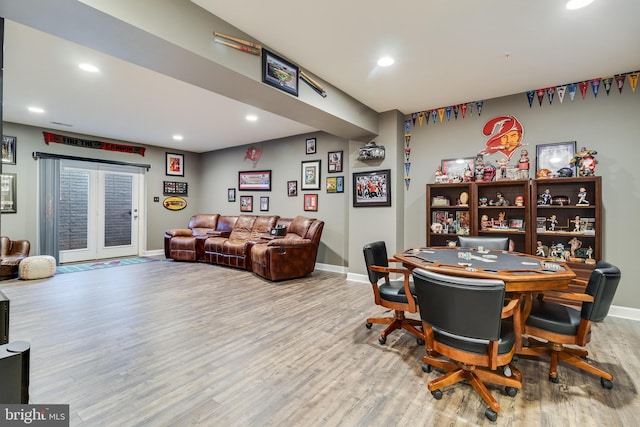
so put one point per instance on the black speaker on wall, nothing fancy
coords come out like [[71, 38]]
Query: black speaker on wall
[[14, 371], [4, 319]]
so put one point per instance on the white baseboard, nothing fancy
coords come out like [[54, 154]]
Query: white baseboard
[[153, 253]]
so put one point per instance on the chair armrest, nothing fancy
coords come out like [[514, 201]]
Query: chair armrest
[[179, 232], [509, 309], [569, 296], [380, 269]]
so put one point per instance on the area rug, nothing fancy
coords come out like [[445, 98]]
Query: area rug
[[73, 268]]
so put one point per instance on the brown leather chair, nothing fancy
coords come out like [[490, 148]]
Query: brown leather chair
[[180, 243], [560, 325], [11, 253], [396, 295], [467, 334]]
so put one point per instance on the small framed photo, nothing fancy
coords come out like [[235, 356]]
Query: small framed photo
[[231, 194], [8, 203], [292, 188], [174, 164], [254, 180], [264, 204], [311, 145], [9, 149], [554, 157], [372, 188], [246, 203], [335, 184], [311, 175], [516, 224], [310, 202], [455, 169], [335, 161], [279, 73]]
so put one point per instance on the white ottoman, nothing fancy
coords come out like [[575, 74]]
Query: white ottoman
[[37, 267]]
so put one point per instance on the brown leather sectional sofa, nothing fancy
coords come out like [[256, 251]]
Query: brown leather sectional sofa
[[246, 242], [11, 253]]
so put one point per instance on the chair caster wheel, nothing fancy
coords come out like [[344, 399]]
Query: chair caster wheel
[[382, 340], [426, 367], [511, 391], [606, 384], [368, 325], [437, 394], [553, 379], [420, 341], [491, 414]]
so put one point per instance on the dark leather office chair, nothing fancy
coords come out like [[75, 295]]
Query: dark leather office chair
[[463, 321], [488, 242], [561, 325], [396, 295]]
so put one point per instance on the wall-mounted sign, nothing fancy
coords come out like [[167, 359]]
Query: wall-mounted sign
[[174, 203]]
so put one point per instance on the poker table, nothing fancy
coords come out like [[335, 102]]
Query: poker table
[[522, 273]]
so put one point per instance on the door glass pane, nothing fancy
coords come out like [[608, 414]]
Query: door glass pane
[[73, 209], [118, 196]]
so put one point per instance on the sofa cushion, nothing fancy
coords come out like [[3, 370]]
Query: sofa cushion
[[243, 227], [262, 227], [300, 225]]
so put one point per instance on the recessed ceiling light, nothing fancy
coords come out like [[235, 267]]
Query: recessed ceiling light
[[578, 4], [35, 109], [251, 118], [178, 137], [385, 61], [88, 67]]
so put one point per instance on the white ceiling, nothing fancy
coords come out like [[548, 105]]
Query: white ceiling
[[446, 52]]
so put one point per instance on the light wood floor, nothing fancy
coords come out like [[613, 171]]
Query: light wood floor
[[180, 344]]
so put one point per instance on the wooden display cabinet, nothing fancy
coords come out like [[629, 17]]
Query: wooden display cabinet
[[567, 220], [453, 207], [512, 219]]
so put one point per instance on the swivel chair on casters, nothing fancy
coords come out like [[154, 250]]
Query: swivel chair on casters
[[396, 295]]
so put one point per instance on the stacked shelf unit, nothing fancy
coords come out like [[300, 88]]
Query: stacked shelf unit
[[473, 208]]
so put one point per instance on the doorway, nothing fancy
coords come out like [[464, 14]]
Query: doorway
[[98, 211]]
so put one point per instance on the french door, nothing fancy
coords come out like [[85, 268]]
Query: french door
[[97, 212]]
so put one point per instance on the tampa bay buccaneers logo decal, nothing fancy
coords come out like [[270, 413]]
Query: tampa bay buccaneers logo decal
[[505, 134]]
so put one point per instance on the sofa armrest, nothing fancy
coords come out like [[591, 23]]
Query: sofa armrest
[[290, 243], [179, 232], [218, 233]]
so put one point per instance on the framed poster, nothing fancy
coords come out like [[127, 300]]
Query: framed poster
[[335, 161], [292, 188], [279, 73], [372, 188], [231, 195], [171, 188], [264, 204], [246, 203], [335, 184], [310, 145], [311, 175], [554, 157], [311, 202], [174, 164], [254, 180], [9, 149], [8, 202], [457, 167]]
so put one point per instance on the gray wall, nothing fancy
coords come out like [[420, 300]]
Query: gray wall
[[608, 124]]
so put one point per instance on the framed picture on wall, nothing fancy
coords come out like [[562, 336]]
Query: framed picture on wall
[[264, 204], [311, 175], [310, 202], [9, 149], [335, 184], [174, 164], [279, 73], [372, 188], [8, 203], [254, 181], [310, 145], [246, 203], [231, 194], [292, 188], [335, 161]]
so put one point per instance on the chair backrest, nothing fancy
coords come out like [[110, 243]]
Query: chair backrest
[[375, 254], [459, 305], [602, 286], [488, 242]]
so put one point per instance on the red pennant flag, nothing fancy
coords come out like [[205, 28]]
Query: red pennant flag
[[583, 88], [540, 96], [463, 107]]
